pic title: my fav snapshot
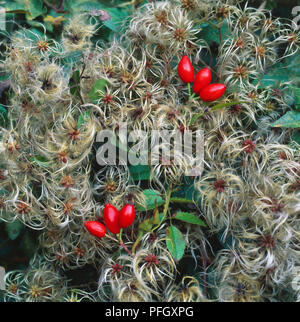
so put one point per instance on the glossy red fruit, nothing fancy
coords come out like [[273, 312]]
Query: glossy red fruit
[[185, 70], [111, 218], [95, 228], [212, 92], [202, 79], [127, 214]]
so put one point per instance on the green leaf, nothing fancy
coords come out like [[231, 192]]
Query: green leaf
[[271, 4], [222, 105], [140, 172], [146, 225], [10, 10], [282, 72], [82, 118], [195, 117], [210, 33], [276, 74], [98, 90], [175, 242], [296, 136], [296, 92], [28, 245], [158, 218], [181, 200], [118, 16], [189, 218], [39, 160], [48, 26], [74, 83], [152, 200], [35, 7], [14, 229], [32, 8], [33, 34], [80, 6], [3, 116], [16, 7], [289, 120], [214, 108]]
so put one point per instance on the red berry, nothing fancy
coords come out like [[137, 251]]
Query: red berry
[[212, 92], [127, 215], [111, 218], [185, 70], [202, 79], [95, 228]]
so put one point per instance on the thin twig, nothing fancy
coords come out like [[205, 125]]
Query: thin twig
[[123, 245], [127, 250]]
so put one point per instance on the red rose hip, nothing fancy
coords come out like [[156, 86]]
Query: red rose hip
[[212, 92], [95, 228], [185, 70], [111, 218], [127, 214], [202, 79]]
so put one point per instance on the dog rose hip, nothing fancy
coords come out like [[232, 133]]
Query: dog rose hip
[[126, 217], [95, 228], [111, 218], [202, 79], [212, 92], [185, 70]]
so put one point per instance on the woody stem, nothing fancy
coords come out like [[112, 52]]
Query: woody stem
[[123, 245]]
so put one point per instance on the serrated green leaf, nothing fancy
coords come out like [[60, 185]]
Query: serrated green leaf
[[175, 242], [146, 225], [190, 218], [98, 90], [14, 229], [289, 120], [152, 199]]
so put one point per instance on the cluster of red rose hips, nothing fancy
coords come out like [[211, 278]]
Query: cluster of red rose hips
[[207, 92], [114, 220]]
